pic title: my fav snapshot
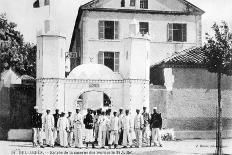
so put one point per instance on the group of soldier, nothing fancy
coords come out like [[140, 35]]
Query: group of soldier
[[102, 129]]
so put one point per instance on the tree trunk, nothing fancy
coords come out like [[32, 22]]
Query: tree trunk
[[219, 119]]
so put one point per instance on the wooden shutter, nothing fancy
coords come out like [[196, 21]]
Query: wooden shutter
[[170, 34], [184, 32], [100, 57], [101, 29], [116, 61], [116, 30]]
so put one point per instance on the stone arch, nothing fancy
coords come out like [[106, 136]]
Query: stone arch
[[108, 93], [73, 94]]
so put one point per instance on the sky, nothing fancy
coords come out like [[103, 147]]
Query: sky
[[29, 19]]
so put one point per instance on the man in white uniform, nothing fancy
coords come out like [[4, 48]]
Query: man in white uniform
[[138, 126], [63, 127], [78, 126], [102, 121], [127, 129], [48, 123], [70, 131], [114, 127]]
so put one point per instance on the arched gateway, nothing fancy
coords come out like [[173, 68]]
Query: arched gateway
[[95, 78]]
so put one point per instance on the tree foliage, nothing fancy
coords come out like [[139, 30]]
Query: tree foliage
[[218, 50], [14, 52]]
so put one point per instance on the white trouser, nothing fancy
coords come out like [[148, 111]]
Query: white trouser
[[37, 136], [126, 137], [70, 137], [78, 137], [49, 136], [155, 132], [63, 137], [89, 135], [101, 138], [145, 134], [138, 134], [56, 135], [113, 137]]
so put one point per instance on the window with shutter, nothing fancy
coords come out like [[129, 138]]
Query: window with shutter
[[169, 32], [116, 62], [116, 31], [108, 29], [184, 32], [109, 59], [101, 29], [100, 58]]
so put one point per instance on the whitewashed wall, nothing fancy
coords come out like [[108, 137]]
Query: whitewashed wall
[[160, 47]]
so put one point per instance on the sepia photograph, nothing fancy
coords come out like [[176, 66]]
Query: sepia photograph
[[115, 77]]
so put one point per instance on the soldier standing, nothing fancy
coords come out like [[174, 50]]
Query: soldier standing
[[114, 127], [127, 129], [120, 116], [156, 125], [70, 131], [145, 132], [55, 132], [36, 127], [108, 115], [78, 124], [102, 121], [63, 128], [48, 123], [96, 125], [138, 126], [88, 121]]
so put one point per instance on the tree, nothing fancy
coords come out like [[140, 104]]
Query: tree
[[218, 59], [14, 53]]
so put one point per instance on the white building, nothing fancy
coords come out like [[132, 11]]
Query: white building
[[116, 42]]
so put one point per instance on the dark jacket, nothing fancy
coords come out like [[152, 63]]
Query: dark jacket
[[88, 121], [56, 117], [156, 121], [36, 120]]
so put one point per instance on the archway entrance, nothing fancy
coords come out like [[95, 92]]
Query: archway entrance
[[94, 100]]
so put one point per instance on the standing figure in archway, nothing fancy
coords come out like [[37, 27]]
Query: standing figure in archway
[[78, 124], [88, 121], [108, 115]]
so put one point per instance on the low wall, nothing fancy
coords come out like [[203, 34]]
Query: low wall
[[192, 112]]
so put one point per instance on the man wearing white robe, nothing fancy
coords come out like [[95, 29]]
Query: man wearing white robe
[[78, 127], [63, 128], [127, 129], [48, 123]]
